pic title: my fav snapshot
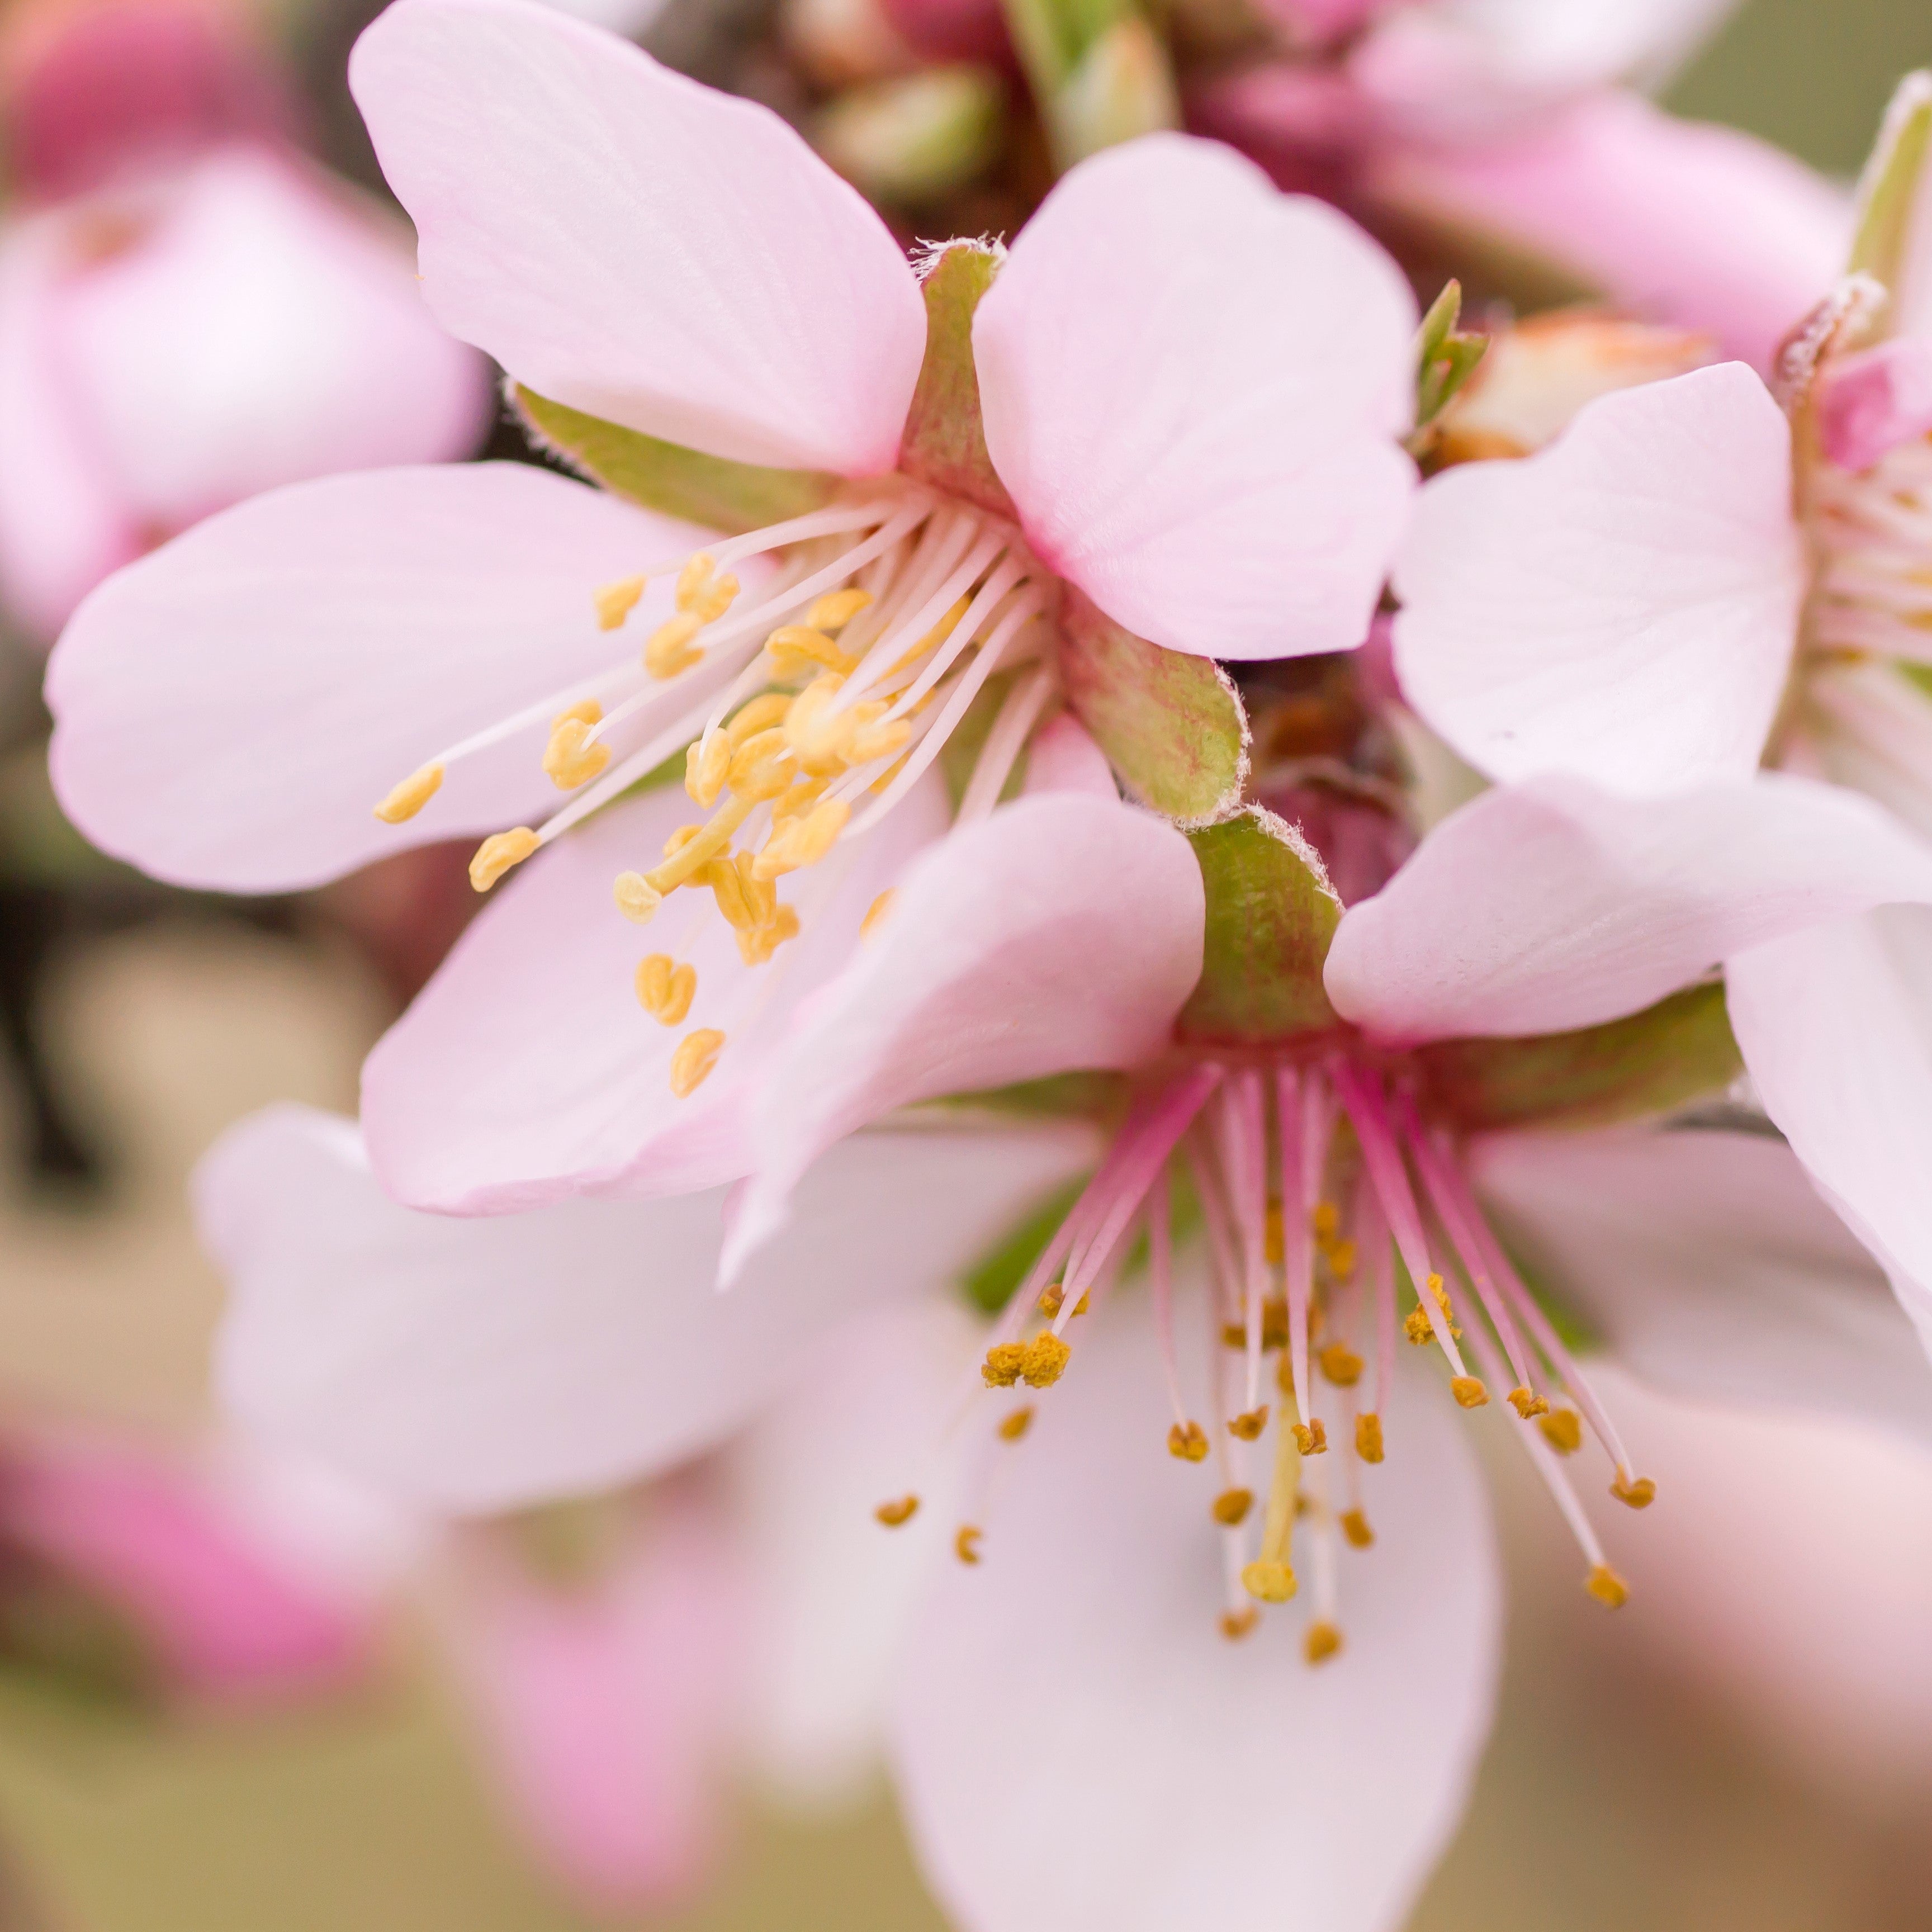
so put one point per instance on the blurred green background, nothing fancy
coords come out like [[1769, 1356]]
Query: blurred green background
[[1623, 1790]]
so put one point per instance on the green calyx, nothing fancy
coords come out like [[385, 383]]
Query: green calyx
[[711, 491], [1099, 72], [1445, 357], [945, 441], [1894, 179], [1171, 726], [1645, 1063], [911, 138], [1271, 915]]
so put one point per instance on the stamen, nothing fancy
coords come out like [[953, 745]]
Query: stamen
[[636, 898], [1321, 1641], [902, 1509], [665, 990], [1638, 1495], [876, 913], [1355, 1528], [1235, 1624], [1046, 1358], [1005, 1361], [691, 1065], [1271, 1577], [616, 601], [1340, 1365], [803, 842], [498, 854], [410, 797], [1188, 1441], [568, 760], [1311, 1437], [1231, 1506], [1563, 1430], [1468, 1392], [1369, 1436], [1607, 1587], [1013, 1427], [966, 1544]]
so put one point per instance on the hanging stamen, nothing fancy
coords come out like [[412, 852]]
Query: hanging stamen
[[1372, 1236], [1323, 1637], [1186, 1439], [665, 990], [614, 602], [568, 761], [1271, 1577]]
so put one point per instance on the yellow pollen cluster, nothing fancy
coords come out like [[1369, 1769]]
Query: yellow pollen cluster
[[1271, 1582], [1013, 1427], [697, 1054], [1321, 1641], [1248, 1425], [1340, 1364], [876, 913], [1639, 1492], [1355, 1528], [702, 597], [966, 1544], [902, 1509], [1368, 1437], [616, 601], [665, 990], [1527, 1405], [1232, 1507], [1188, 1442], [1468, 1391], [568, 762], [1607, 1587], [1054, 1294], [410, 797], [1235, 1624], [1312, 1438], [1038, 1363], [498, 854], [1563, 1430]]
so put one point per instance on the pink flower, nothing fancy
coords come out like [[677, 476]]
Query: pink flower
[[1500, 128], [655, 263], [1638, 606], [189, 313]]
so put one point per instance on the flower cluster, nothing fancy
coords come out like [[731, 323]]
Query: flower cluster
[[1017, 688]]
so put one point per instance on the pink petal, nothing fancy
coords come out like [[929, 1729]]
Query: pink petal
[[264, 326], [1683, 223], [1064, 757], [526, 1071], [1709, 1264], [63, 525], [475, 1365], [1623, 605], [225, 1616], [831, 1592], [606, 1703], [1247, 505], [631, 244], [1063, 932], [1076, 1743], [1870, 402], [1837, 1034], [228, 711], [1549, 905]]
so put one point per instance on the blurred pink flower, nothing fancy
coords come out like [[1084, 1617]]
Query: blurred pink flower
[[189, 312], [216, 1609], [1498, 128]]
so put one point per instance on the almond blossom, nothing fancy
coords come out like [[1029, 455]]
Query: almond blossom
[[1506, 131], [925, 487], [1685, 586], [191, 311], [1234, 1445]]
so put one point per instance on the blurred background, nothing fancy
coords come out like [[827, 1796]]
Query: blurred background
[[1749, 1744]]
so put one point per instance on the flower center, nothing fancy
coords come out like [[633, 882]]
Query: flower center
[[805, 712], [1326, 1200], [1874, 535]]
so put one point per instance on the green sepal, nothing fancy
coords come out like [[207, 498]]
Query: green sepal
[[912, 139], [1891, 182], [1271, 915], [711, 491], [988, 1285], [1445, 357], [1172, 726], [945, 441], [1647, 1063]]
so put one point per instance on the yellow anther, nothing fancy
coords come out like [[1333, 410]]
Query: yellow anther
[[1527, 1404], [761, 767], [1231, 1506], [706, 760], [877, 911], [1188, 1441], [1468, 1391], [636, 898], [966, 1544], [1341, 1364], [878, 740], [727, 887], [1416, 1325], [817, 735], [699, 594], [1639, 1492], [1355, 1528], [616, 601], [498, 854], [837, 608], [900, 1509], [1563, 1430], [691, 1065], [1312, 1438], [1368, 1437], [410, 797], [1004, 1363], [1325, 1219], [795, 649], [688, 851], [1274, 1245], [1249, 1423], [1607, 1587], [804, 794], [1045, 1361], [665, 989], [1441, 1298], [670, 648], [1321, 1642], [803, 842], [1272, 1582], [1274, 1322], [568, 762], [1341, 1259], [1013, 1427], [758, 945], [1054, 1293], [767, 708], [1235, 1624]]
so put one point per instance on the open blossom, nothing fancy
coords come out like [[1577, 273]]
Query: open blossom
[[189, 311], [1685, 586], [943, 526], [1501, 128], [1329, 1090]]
